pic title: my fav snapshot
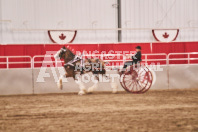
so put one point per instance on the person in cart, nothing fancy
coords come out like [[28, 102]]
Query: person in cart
[[135, 59]]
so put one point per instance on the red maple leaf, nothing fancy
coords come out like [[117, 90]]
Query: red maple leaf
[[62, 36], [165, 35]]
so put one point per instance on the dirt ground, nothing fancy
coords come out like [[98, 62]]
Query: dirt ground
[[154, 111]]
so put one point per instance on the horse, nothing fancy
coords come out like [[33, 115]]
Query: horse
[[94, 65]]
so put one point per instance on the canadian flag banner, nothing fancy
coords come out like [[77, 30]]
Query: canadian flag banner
[[62, 36], [165, 35]]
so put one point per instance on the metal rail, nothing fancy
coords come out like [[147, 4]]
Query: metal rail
[[32, 61], [41, 62], [101, 56], [88, 29], [188, 58], [125, 58], [16, 62]]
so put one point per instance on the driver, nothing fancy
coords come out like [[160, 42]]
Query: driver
[[135, 59]]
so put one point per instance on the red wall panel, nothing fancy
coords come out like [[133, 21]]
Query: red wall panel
[[31, 50], [40, 49], [191, 46], [168, 47]]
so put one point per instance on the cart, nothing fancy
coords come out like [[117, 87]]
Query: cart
[[136, 80]]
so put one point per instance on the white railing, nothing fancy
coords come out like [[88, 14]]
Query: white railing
[[32, 61], [124, 58], [188, 58], [156, 54], [7, 62], [100, 56], [45, 61], [90, 29]]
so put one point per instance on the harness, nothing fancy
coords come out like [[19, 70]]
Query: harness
[[76, 58]]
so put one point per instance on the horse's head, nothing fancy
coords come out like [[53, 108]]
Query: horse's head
[[64, 53], [61, 53]]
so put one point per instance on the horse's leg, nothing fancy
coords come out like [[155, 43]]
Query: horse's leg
[[95, 86], [114, 85], [81, 85], [60, 81]]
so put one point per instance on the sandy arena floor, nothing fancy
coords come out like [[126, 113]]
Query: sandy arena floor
[[154, 111]]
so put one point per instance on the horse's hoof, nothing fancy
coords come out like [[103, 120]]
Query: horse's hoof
[[60, 86], [81, 93], [114, 91], [90, 90]]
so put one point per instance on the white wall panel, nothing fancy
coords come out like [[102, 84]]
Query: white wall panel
[[0, 23], [59, 14], [16, 81], [185, 79], [22, 81], [94, 14], [162, 14]]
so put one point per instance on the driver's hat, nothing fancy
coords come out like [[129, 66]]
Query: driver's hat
[[138, 47]]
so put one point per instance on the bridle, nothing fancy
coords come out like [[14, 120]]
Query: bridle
[[62, 51]]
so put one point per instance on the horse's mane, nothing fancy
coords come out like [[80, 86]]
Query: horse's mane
[[71, 53]]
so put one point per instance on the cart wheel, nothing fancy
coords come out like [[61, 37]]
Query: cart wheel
[[150, 80], [122, 82], [121, 79], [135, 81]]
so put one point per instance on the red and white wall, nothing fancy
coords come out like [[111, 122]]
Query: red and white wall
[[147, 48], [40, 49], [24, 25]]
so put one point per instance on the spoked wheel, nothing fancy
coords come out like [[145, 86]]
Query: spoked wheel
[[150, 80], [137, 80], [122, 83]]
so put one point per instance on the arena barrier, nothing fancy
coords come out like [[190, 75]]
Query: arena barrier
[[16, 81], [26, 80], [182, 76]]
